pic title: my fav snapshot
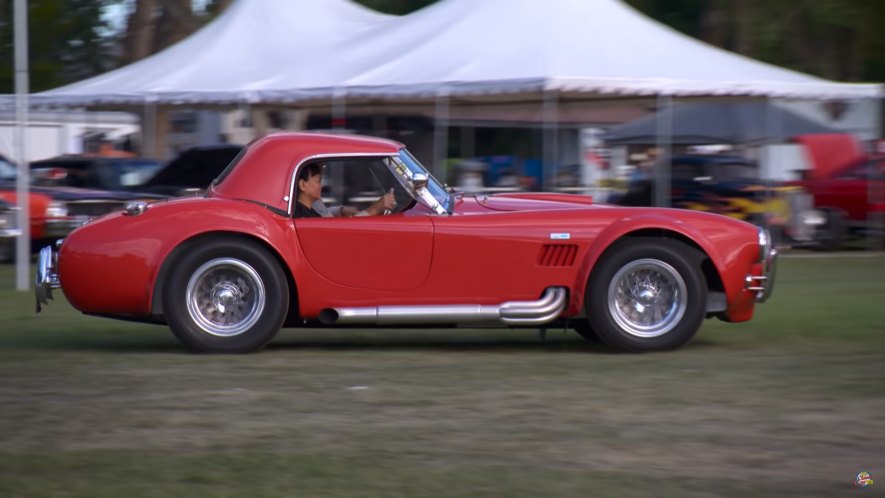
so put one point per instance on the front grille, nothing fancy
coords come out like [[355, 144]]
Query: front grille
[[558, 255], [8, 223], [93, 208], [801, 205]]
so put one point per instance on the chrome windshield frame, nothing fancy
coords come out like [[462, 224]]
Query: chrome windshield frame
[[434, 195]]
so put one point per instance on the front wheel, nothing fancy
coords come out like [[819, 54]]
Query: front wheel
[[647, 295], [226, 296]]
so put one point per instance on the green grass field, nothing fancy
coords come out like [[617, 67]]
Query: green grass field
[[789, 404]]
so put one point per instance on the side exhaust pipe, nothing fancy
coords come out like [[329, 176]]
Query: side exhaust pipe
[[539, 312]]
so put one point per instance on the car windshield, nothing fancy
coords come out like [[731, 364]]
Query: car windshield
[[434, 195]]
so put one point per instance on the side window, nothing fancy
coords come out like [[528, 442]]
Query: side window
[[359, 182]]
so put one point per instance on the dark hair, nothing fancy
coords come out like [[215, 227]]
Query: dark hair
[[310, 170]]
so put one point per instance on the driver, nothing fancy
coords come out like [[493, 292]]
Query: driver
[[309, 203]]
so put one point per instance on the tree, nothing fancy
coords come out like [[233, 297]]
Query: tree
[[835, 39], [156, 24], [69, 45], [398, 7]]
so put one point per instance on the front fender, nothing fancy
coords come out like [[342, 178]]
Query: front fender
[[712, 234]]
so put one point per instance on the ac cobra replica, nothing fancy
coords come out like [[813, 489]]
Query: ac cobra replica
[[226, 270]]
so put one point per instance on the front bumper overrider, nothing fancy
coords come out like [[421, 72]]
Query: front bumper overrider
[[47, 278], [763, 285]]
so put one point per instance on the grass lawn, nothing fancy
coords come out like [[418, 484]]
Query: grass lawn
[[789, 404]]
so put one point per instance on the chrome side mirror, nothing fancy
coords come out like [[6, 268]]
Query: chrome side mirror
[[419, 181]]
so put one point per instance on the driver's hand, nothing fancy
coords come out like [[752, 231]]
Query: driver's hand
[[388, 201], [385, 203]]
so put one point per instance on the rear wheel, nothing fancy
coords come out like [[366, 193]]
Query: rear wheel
[[647, 295], [226, 295]]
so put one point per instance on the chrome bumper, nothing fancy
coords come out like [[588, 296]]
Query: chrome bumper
[[61, 227], [763, 285], [9, 224], [47, 278]]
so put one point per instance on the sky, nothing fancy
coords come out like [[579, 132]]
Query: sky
[[116, 13]]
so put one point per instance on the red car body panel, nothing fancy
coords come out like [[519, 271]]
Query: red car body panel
[[852, 189], [490, 250]]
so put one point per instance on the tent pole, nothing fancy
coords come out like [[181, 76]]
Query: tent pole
[[664, 133], [773, 129], [299, 119], [260, 121], [23, 244], [468, 141], [875, 195], [551, 132], [441, 136], [148, 129], [339, 109]]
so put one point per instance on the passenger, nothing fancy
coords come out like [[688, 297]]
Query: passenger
[[309, 202]]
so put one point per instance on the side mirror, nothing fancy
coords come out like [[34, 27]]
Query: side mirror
[[419, 181]]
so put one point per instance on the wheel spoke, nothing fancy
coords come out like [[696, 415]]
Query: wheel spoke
[[647, 298], [225, 297]]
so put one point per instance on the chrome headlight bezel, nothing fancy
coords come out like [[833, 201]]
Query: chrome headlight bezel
[[765, 244], [56, 209]]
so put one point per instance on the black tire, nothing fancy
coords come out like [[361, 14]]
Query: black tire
[[7, 249], [666, 281], [833, 234], [225, 295]]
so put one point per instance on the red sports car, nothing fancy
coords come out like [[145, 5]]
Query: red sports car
[[228, 269]]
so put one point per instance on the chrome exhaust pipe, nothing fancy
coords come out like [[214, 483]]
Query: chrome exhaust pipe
[[539, 312]]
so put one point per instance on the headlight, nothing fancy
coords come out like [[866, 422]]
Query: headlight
[[56, 209], [764, 244]]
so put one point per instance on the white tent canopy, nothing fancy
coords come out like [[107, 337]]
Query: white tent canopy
[[291, 51], [233, 59], [567, 46]]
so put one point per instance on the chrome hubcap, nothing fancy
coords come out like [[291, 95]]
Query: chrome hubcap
[[647, 298], [225, 297]]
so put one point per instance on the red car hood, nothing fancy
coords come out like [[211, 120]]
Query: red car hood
[[527, 201]]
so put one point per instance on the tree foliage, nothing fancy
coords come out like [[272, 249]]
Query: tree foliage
[[399, 7], [67, 42], [835, 39]]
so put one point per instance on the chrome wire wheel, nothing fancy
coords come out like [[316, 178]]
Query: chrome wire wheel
[[647, 298], [225, 297]]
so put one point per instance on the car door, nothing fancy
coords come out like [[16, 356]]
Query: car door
[[371, 252]]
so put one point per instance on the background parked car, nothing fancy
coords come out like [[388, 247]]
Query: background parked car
[[8, 230], [93, 172], [191, 171], [54, 211], [730, 185], [852, 198]]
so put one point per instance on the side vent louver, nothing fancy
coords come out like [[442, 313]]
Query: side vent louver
[[558, 255]]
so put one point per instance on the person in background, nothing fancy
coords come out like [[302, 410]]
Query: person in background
[[309, 200]]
